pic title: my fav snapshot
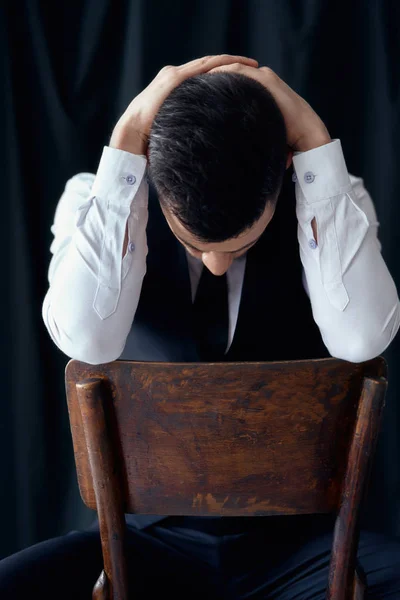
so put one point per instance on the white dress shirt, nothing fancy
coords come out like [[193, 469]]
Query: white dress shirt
[[94, 292]]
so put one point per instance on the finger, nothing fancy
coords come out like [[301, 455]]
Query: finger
[[237, 67], [214, 60], [205, 64]]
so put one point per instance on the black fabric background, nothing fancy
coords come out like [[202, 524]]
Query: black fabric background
[[68, 71]]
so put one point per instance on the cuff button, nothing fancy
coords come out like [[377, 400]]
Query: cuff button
[[130, 179], [313, 244], [309, 177]]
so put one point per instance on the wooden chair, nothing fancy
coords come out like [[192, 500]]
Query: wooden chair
[[226, 439]]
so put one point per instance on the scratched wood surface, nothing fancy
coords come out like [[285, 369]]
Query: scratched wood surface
[[225, 438]]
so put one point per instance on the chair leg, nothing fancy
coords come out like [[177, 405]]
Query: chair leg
[[101, 590], [360, 584]]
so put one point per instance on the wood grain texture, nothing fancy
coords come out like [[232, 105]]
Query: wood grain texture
[[237, 439], [362, 447], [226, 438], [108, 485]]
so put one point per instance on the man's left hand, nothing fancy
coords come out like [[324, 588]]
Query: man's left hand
[[305, 129]]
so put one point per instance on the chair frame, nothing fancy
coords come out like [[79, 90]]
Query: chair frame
[[346, 581]]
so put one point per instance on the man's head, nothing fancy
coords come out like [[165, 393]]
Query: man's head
[[217, 156]]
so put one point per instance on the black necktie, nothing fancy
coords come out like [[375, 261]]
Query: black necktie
[[211, 318]]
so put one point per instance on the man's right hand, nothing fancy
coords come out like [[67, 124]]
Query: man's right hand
[[132, 131]]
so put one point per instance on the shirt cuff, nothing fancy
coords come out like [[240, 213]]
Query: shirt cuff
[[321, 173], [325, 192], [118, 191], [119, 175]]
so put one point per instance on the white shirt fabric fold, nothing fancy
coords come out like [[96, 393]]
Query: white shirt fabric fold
[[94, 292]]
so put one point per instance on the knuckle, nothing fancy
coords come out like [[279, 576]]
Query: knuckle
[[167, 68], [268, 71], [169, 73]]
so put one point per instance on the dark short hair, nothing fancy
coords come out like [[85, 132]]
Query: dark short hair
[[217, 154]]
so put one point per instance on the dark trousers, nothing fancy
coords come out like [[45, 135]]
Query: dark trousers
[[283, 558]]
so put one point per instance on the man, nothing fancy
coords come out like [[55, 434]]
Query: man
[[204, 264]]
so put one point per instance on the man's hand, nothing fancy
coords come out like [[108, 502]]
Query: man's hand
[[305, 129], [132, 131]]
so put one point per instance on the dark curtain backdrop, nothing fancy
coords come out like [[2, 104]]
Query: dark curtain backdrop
[[68, 71]]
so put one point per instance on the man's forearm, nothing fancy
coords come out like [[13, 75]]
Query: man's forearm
[[91, 220], [125, 138], [319, 138], [357, 322]]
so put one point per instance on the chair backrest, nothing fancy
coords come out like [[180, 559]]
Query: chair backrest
[[228, 439], [222, 438]]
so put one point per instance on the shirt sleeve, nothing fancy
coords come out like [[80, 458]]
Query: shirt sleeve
[[93, 290], [353, 296]]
